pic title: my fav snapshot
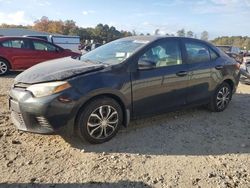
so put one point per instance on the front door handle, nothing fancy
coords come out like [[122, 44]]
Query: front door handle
[[219, 67], [182, 73]]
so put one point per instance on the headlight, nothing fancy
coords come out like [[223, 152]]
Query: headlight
[[45, 89]]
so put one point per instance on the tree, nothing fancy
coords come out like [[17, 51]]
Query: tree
[[69, 27], [42, 24], [157, 32], [238, 41], [55, 27], [190, 34], [204, 36], [181, 33], [134, 33]]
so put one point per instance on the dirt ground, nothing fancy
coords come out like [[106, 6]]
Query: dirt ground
[[189, 148]]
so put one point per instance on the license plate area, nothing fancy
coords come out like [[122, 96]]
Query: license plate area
[[16, 115], [14, 106]]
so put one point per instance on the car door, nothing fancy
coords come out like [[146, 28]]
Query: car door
[[164, 86], [19, 52], [45, 51], [202, 64]]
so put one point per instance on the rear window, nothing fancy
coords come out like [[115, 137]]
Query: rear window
[[16, 43], [13, 43]]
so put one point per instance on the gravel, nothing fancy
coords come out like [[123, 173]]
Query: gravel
[[188, 148]]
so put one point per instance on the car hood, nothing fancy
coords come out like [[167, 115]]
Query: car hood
[[55, 70]]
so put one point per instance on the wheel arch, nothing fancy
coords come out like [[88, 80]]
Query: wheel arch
[[118, 99], [230, 82]]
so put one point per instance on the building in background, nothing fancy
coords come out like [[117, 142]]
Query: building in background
[[20, 32]]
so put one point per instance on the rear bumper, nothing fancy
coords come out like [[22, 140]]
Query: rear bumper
[[43, 115]]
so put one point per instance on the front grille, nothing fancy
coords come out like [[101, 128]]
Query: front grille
[[43, 122], [18, 120]]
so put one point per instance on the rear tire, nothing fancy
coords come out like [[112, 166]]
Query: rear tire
[[4, 67], [221, 98], [100, 120]]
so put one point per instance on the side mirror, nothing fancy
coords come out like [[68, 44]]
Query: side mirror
[[58, 50], [146, 64]]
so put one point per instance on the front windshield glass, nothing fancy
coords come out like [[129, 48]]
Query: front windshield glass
[[114, 52]]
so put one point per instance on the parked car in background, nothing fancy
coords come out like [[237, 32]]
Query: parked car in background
[[246, 58], [245, 69], [88, 47], [127, 78], [67, 42], [95, 45], [233, 52], [19, 53]]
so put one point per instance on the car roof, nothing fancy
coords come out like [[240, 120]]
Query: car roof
[[153, 38]]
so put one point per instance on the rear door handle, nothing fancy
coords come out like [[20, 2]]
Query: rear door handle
[[182, 73], [219, 67]]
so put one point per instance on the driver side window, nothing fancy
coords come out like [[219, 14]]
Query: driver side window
[[43, 46], [165, 53]]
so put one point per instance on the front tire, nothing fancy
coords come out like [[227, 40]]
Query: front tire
[[221, 98], [4, 67], [100, 120]]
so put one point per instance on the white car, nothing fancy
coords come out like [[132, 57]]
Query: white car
[[67, 42]]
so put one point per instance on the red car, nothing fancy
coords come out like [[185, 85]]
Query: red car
[[19, 53]]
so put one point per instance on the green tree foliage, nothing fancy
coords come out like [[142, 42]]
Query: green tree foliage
[[157, 32], [190, 34], [108, 33], [238, 41], [100, 33], [204, 35], [15, 26], [181, 33]]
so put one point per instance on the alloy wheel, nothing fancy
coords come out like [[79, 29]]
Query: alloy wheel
[[102, 122], [223, 97], [3, 67]]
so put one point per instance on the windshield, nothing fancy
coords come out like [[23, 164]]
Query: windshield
[[114, 52]]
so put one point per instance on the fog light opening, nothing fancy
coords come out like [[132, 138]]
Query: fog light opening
[[64, 99]]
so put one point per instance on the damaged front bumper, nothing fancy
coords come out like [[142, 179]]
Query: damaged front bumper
[[43, 115]]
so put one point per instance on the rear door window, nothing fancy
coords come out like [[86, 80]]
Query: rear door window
[[16, 43], [197, 52]]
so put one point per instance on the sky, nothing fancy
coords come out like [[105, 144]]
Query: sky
[[218, 17]]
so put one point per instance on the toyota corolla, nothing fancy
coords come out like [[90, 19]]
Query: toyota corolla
[[132, 77]]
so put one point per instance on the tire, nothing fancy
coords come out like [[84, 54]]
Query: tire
[[4, 67], [100, 120], [221, 98]]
